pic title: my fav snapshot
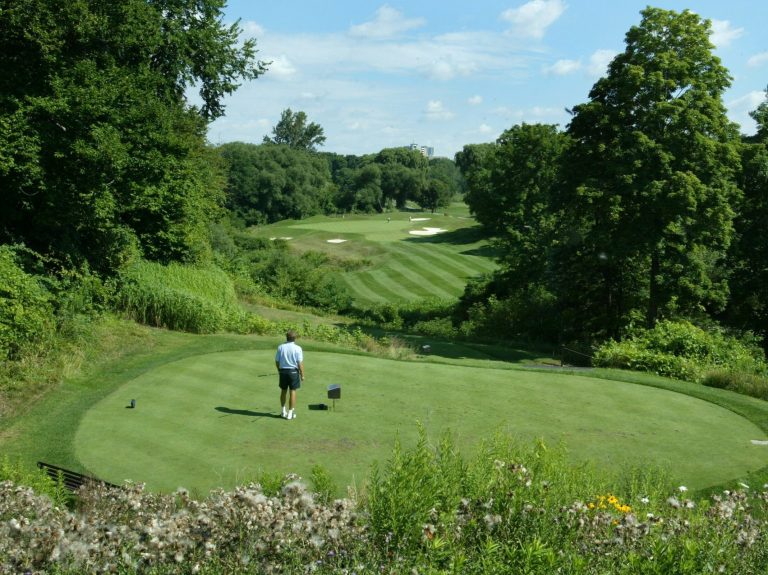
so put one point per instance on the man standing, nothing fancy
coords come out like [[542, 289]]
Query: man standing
[[289, 362]]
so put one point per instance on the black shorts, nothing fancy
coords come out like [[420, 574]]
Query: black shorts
[[290, 379]]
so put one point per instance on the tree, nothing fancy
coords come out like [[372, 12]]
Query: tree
[[403, 174], [748, 307], [446, 170], [101, 156], [646, 217], [293, 131], [436, 194], [473, 164], [269, 183]]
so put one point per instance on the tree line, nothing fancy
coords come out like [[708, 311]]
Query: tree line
[[287, 178], [649, 205]]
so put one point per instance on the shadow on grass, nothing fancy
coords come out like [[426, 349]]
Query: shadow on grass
[[460, 237], [247, 412]]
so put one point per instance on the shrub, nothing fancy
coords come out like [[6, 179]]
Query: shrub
[[26, 311], [683, 351]]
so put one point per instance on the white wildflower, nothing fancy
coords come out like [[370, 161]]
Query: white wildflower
[[682, 489]]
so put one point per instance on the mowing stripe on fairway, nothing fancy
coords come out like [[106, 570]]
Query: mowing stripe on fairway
[[461, 264], [396, 282], [359, 289], [210, 420], [417, 283], [432, 274]]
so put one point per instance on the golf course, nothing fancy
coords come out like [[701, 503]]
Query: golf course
[[409, 257], [205, 409]]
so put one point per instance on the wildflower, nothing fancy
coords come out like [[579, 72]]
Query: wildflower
[[673, 502], [498, 464], [646, 500], [492, 521], [682, 489]]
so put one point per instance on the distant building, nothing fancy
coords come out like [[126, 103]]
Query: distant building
[[426, 151]]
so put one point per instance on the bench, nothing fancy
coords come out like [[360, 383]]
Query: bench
[[70, 479]]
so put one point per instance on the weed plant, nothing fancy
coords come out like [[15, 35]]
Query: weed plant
[[510, 509]]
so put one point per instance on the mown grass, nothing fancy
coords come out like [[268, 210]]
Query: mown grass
[[397, 266], [206, 418]]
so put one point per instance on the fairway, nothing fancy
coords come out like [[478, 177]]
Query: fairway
[[409, 258], [212, 420]]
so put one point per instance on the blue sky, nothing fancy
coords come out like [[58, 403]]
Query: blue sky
[[444, 74]]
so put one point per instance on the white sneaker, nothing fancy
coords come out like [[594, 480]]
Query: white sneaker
[[291, 415], [284, 414]]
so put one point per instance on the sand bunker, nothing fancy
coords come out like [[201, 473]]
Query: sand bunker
[[427, 231], [282, 238], [336, 241], [420, 219]]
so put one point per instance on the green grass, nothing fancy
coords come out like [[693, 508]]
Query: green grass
[[206, 409], [403, 266]]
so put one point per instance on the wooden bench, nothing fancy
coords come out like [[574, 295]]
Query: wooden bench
[[71, 479]]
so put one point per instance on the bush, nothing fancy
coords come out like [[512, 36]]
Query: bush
[[26, 311], [683, 351], [306, 279]]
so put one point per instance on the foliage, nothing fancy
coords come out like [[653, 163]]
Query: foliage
[[305, 279], [101, 156], [645, 215], [293, 131], [26, 310], [739, 381], [269, 183], [748, 257], [37, 479], [402, 315], [683, 351], [510, 509], [178, 297]]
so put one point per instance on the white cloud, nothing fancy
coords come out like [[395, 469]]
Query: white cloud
[[563, 67], [387, 23], [746, 103], [723, 33], [436, 110], [475, 100], [757, 60], [532, 19], [281, 66], [599, 60], [739, 109], [485, 129], [251, 28]]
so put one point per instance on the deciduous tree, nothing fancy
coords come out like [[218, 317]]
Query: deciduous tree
[[292, 130], [101, 155], [647, 213]]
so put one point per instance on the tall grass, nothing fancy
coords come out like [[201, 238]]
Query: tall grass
[[178, 297]]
